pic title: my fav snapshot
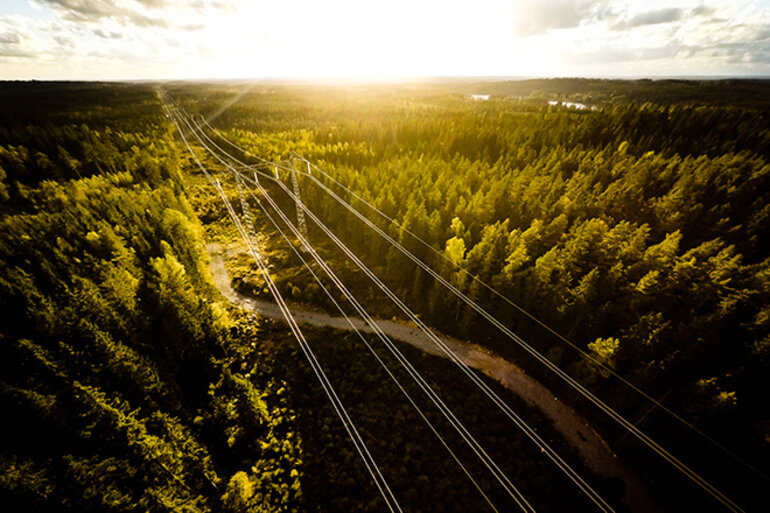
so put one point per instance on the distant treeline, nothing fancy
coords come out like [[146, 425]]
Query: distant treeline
[[728, 92]]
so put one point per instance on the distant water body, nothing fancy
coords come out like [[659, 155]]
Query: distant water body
[[571, 105]]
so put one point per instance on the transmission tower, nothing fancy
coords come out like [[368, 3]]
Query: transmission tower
[[301, 224], [246, 210]]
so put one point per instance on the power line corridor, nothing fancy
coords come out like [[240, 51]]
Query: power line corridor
[[247, 179]]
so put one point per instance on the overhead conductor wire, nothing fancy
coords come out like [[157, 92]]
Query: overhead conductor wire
[[366, 343], [478, 450], [678, 464], [682, 467], [571, 473], [587, 356], [352, 431]]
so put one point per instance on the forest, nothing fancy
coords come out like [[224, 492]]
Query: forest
[[634, 228], [118, 383]]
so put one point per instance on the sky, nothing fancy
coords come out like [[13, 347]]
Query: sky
[[393, 39]]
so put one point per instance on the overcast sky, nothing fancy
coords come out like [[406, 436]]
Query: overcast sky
[[146, 39]]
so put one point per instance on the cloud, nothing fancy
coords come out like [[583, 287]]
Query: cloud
[[12, 45], [540, 16], [631, 37], [703, 10], [10, 38], [666, 15], [141, 13], [64, 41], [748, 44], [154, 4], [618, 54], [675, 41], [10, 51], [535, 17], [108, 35], [96, 10], [651, 18]]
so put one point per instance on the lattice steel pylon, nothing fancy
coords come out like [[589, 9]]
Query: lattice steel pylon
[[252, 232], [301, 223]]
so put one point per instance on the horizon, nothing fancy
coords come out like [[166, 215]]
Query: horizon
[[344, 81]]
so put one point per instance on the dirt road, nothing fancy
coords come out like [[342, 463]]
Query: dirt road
[[594, 452]]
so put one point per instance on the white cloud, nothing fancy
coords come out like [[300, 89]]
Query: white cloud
[[669, 38], [129, 12], [541, 16], [667, 15], [108, 35]]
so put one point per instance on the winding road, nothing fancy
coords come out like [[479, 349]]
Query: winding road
[[592, 449]]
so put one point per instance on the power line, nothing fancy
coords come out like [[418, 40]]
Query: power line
[[331, 298], [363, 451], [678, 464], [687, 471], [448, 414], [443, 408], [559, 336], [478, 450], [352, 431], [571, 474]]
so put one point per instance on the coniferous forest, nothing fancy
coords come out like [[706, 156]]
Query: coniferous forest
[[629, 217]]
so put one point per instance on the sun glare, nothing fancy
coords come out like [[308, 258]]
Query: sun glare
[[360, 40], [353, 39]]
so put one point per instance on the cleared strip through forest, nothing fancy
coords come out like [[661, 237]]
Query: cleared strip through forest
[[592, 449]]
